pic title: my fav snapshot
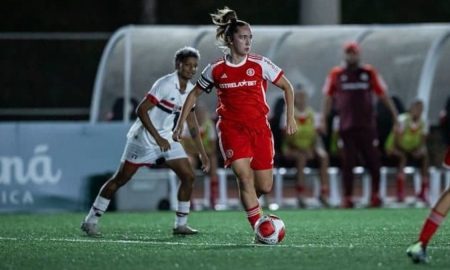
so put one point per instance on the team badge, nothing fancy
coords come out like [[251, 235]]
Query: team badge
[[250, 72], [344, 78]]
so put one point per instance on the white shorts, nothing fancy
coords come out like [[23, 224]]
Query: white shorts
[[139, 155]]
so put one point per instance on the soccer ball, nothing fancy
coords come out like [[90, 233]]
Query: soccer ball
[[270, 230]]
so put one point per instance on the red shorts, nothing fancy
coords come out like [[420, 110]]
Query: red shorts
[[246, 140], [447, 159]]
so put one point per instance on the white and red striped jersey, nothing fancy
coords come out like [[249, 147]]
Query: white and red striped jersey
[[165, 94], [241, 88]]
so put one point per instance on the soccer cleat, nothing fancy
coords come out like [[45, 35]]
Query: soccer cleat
[[347, 203], [324, 201], [417, 252], [91, 229], [184, 230], [301, 203]]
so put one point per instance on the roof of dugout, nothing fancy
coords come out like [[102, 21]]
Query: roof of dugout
[[413, 59]]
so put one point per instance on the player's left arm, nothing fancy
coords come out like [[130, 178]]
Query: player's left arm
[[284, 84], [185, 111], [194, 130], [380, 89], [387, 101], [423, 134]]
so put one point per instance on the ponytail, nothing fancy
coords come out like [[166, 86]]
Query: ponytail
[[227, 22]]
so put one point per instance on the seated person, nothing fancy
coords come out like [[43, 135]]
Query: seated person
[[305, 145], [408, 143]]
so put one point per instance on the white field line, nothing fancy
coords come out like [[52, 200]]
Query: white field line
[[158, 243]]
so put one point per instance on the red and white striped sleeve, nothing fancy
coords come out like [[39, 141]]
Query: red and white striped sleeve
[[379, 87], [329, 87]]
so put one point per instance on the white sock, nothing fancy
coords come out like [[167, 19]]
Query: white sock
[[98, 208], [182, 213]]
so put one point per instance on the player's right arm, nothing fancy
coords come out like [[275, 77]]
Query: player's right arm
[[328, 90], [142, 113]]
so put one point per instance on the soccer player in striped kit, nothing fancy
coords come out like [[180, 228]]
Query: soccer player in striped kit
[[150, 142], [351, 86], [244, 133]]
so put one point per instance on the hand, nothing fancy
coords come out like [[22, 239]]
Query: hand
[[176, 136], [206, 165], [164, 144], [291, 126]]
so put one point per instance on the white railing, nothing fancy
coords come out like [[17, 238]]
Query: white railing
[[278, 200]]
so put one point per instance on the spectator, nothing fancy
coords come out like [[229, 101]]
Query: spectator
[[384, 120], [351, 87], [116, 113], [276, 126], [305, 145], [408, 143], [445, 122]]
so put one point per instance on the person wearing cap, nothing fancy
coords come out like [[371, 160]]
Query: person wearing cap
[[350, 87]]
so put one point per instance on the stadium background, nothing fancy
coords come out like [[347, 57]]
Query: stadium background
[[47, 75], [49, 54]]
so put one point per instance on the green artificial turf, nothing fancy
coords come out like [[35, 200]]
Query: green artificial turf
[[315, 239]]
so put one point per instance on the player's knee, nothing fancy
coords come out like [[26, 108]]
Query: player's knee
[[189, 178], [446, 193], [265, 188], [120, 180]]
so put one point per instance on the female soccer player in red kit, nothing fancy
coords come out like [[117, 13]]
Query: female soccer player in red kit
[[245, 137], [417, 251]]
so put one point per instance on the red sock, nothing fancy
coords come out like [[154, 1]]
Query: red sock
[[400, 187], [253, 214], [430, 226], [423, 194], [299, 189], [214, 193]]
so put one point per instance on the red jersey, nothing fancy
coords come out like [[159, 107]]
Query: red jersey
[[241, 88], [352, 91]]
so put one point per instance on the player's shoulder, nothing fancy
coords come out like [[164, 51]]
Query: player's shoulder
[[368, 68], [165, 83], [255, 57], [403, 117], [218, 61], [337, 70], [166, 79]]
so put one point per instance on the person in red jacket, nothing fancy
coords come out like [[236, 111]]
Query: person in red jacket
[[351, 87]]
